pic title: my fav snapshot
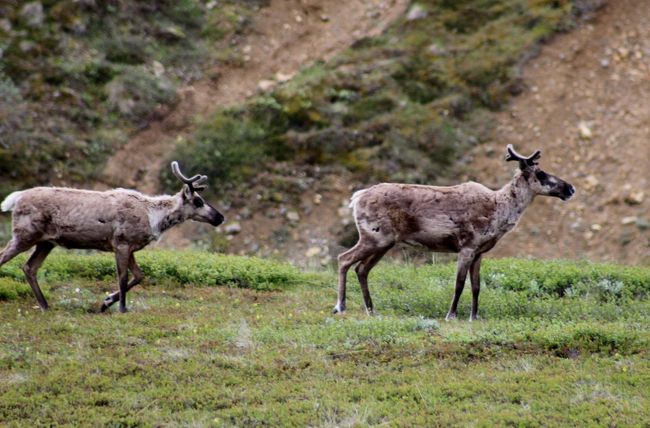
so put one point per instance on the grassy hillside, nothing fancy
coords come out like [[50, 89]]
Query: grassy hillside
[[403, 106], [76, 77], [560, 343]]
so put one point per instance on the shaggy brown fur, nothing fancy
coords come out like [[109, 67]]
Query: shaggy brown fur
[[120, 220], [467, 219]]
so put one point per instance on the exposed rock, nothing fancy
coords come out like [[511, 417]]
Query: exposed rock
[[591, 182], [26, 45], [629, 220], [312, 252], [436, 49], [416, 12], [172, 32], [5, 25], [32, 14], [245, 213], [158, 69], [344, 212], [596, 227], [635, 198], [293, 216], [265, 85], [318, 198], [232, 228], [585, 131], [283, 77]]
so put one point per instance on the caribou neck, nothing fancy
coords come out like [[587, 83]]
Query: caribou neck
[[512, 201], [166, 212]]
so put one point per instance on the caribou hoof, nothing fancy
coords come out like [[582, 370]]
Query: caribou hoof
[[450, 317], [338, 309]]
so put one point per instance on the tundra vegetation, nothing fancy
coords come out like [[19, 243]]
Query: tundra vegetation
[[217, 340], [402, 107], [76, 77]]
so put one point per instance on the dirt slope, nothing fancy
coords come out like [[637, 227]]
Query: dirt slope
[[286, 36], [587, 107]]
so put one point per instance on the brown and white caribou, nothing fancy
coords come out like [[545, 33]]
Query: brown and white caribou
[[467, 219], [120, 220]]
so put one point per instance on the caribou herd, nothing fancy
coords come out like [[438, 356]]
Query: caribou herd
[[468, 219]]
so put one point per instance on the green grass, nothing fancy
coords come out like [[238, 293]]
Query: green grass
[[190, 353]]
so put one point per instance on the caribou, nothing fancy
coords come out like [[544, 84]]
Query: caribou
[[119, 220], [468, 219]]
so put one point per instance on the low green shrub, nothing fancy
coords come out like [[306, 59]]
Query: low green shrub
[[176, 267], [11, 289]]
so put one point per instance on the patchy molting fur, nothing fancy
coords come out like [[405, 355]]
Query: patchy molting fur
[[468, 219], [119, 220]]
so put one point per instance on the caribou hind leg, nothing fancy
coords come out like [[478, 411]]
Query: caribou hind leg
[[363, 269], [31, 268], [362, 250]]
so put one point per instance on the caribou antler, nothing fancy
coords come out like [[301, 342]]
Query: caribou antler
[[524, 161], [198, 182]]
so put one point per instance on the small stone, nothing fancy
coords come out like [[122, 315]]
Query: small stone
[[293, 216], [588, 235], [416, 12], [436, 49], [324, 17], [629, 220], [591, 182], [318, 198], [298, 19], [33, 14], [265, 85], [312, 252], [584, 131], [158, 69], [283, 77], [172, 32], [232, 228], [5, 25], [245, 213], [604, 63], [596, 227], [635, 198], [344, 212], [26, 45]]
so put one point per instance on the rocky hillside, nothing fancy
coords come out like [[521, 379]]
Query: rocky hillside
[[586, 105], [78, 77], [289, 106]]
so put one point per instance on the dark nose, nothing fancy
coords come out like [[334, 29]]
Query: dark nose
[[217, 219], [569, 190]]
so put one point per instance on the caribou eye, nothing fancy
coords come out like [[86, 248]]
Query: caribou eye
[[541, 176], [197, 202]]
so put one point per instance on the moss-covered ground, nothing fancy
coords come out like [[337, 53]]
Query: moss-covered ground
[[221, 341]]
